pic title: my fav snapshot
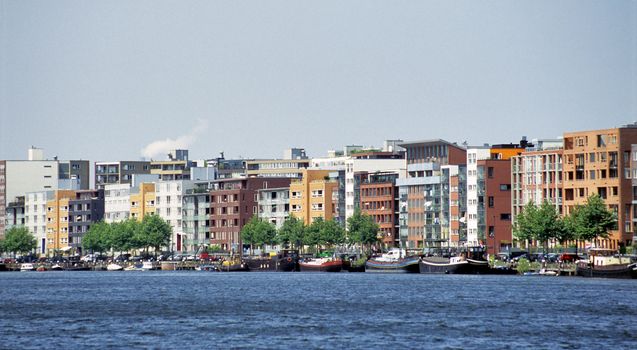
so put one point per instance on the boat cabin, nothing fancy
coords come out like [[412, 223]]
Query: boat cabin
[[606, 257]]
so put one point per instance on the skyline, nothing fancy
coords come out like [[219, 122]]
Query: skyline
[[113, 81]]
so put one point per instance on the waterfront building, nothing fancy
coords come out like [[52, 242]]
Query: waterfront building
[[603, 162], [379, 199], [293, 162], [37, 174], [274, 205], [35, 216], [536, 176], [15, 213], [117, 204], [196, 217], [232, 203], [169, 203], [313, 195], [420, 192], [176, 168], [120, 172], [142, 200], [70, 214]]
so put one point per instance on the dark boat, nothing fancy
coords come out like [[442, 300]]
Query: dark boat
[[285, 261], [321, 265], [468, 262], [393, 261], [603, 263], [233, 265]]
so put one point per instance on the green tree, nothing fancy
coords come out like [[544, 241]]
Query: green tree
[[292, 232], [123, 235], [312, 235], [97, 238], [362, 229], [539, 223], [592, 220], [154, 232], [19, 240], [332, 233], [258, 232]]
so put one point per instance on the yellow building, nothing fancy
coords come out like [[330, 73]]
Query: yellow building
[[57, 220], [142, 201], [312, 196]]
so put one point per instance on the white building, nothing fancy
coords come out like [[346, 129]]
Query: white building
[[116, 202], [169, 204], [35, 216], [475, 201]]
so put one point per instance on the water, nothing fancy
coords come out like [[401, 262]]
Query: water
[[296, 310]]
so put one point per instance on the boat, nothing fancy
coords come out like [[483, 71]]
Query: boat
[[134, 267], [148, 265], [321, 265], [284, 261], [604, 263], [76, 267], [41, 268], [233, 265], [27, 267], [467, 262], [114, 267], [207, 267], [56, 267], [393, 261]]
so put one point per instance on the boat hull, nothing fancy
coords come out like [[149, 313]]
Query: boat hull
[[610, 271], [330, 266], [465, 267], [407, 265], [286, 264]]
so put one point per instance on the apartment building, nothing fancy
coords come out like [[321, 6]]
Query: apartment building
[[379, 199], [15, 213], [142, 200], [274, 205], [169, 204], [69, 216], [3, 194], [196, 217], [117, 204], [420, 192], [601, 162], [176, 168], [35, 216], [232, 203], [312, 196], [294, 160], [120, 172]]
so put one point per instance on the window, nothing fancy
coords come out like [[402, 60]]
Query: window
[[505, 217], [491, 202], [505, 187], [490, 172]]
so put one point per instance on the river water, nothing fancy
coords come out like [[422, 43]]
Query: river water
[[62, 310]]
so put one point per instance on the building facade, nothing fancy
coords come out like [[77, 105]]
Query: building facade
[[312, 196], [121, 172], [35, 204], [232, 203], [274, 205], [379, 199], [117, 204], [142, 200], [196, 217], [169, 204]]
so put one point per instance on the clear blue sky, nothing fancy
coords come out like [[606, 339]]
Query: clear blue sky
[[102, 80]]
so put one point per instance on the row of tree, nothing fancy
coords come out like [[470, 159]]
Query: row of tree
[[361, 229], [18, 240], [151, 232], [585, 223]]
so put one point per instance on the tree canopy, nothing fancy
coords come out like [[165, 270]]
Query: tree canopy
[[362, 229], [18, 240], [292, 232], [258, 232]]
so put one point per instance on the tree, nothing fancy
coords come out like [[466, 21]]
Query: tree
[[19, 240], [312, 235], [592, 220], [154, 232], [331, 233], [258, 232], [291, 232], [540, 224], [97, 238], [362, 229], [123, 235]]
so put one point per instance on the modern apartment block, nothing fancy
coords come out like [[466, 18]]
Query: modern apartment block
[[69, 216], [15, 213], [121, 172], [35, 216], [379, 199], [117, 205], [169, 204], [421, 192], [453, 205], [312, 196], [536, 176], [142, 199], [233, 202], [36, 174], [196, 217], [600, 161], [176, 168], [291, 165], [274, 205]]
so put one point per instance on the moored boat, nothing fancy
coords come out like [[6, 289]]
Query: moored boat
[[56, 267], [321, 265], [603, 263], [233, 265], [284, 261], [467, 262], [113, 267], [27, 267], [149, 265], [393, 261]]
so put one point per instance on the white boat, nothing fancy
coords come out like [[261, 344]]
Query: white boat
[[113, 267], [27, 267], [148, 265]]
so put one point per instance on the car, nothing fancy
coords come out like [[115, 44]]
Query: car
[[567, 257]]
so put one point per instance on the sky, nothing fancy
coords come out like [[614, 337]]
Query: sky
[[121, 80]]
